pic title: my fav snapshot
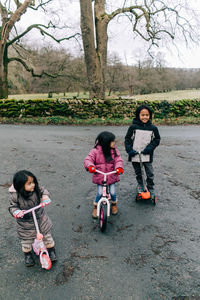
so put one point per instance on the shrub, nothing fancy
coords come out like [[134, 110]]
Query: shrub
[[91, 109]]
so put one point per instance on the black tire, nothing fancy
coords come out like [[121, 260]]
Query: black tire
[[154, 200], [138, 198], [103, 217]]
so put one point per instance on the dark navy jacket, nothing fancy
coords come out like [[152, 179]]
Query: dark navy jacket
[[138, 125]]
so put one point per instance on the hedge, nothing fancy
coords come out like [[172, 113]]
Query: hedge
[[90, 109]]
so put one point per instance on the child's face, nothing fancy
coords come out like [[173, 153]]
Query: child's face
[[144, 115], [112, 144], [29, 185]]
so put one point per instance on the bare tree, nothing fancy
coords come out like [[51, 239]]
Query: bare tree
[[148, 76], [11, 12], [114, 74], [53, 61], [151, 20]]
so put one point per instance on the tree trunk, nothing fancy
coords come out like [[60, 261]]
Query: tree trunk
[[130, 90], [95, 54], [8, 23], [101, 24], [3, 73]]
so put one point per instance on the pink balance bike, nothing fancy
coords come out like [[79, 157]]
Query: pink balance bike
[[38, 245], [103, 206]]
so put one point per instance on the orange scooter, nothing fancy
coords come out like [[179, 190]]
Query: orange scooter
[[145, 194]]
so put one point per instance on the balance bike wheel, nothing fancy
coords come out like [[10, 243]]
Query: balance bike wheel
[[45, 262], [103, 217]]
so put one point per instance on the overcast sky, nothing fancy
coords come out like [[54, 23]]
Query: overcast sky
[[121, 40]]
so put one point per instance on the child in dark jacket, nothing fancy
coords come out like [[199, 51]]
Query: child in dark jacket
[[25, 194], [106, 158], [142, 136]]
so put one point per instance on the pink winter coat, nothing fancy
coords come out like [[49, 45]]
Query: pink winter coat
[[96, 158]]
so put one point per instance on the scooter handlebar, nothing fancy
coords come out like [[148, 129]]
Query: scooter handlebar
[[42, 204], [109, 173]]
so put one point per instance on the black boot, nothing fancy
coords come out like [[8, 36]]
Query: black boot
[[29, 261], [52, 254]]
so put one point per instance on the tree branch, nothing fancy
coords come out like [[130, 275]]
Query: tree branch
[[43, 32], [130, 9], [13, 19], [41, 5], [29, 69], [148, 14], [43, 73], [18, 4], [3, 11]]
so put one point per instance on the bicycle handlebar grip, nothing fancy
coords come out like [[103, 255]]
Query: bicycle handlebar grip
[[45, 202]]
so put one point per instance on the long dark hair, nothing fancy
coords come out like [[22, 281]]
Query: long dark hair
[[19, 180], [104, 139]]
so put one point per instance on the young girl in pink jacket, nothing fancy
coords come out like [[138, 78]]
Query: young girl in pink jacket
[[106, 158]]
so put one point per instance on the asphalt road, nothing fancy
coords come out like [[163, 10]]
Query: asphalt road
[[146, 252]]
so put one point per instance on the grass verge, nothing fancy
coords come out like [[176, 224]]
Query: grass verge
[[58, 120], [169, 96]]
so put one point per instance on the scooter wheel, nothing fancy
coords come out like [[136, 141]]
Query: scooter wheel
[[103, 217], [45, 262], [154, 200], [138, 198]]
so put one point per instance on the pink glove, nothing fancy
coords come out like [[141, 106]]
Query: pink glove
[[18, 214]]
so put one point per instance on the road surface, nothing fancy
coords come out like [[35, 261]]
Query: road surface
[[146, 252]]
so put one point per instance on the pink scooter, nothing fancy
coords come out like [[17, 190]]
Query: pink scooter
[[38, 245]]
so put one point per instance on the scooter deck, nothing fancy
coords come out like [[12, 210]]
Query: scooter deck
[[140, 197]]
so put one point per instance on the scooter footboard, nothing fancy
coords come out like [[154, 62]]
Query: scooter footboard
[[103, 199], [38, 245]]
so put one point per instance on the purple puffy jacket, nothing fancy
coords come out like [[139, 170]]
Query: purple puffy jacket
[[96, 158]]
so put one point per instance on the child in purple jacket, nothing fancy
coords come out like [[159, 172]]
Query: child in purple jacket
[[106, 158]]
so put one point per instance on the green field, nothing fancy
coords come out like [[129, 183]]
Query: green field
[[169, 96]]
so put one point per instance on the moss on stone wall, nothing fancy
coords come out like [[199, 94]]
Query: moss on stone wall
[[90, 109]]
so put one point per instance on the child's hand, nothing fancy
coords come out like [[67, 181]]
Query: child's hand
[[146, 151], [132, 153], [119, 171], [45, 200], [91, 169], [18, 214]]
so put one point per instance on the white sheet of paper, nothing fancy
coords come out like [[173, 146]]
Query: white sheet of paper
[[141, 140]]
